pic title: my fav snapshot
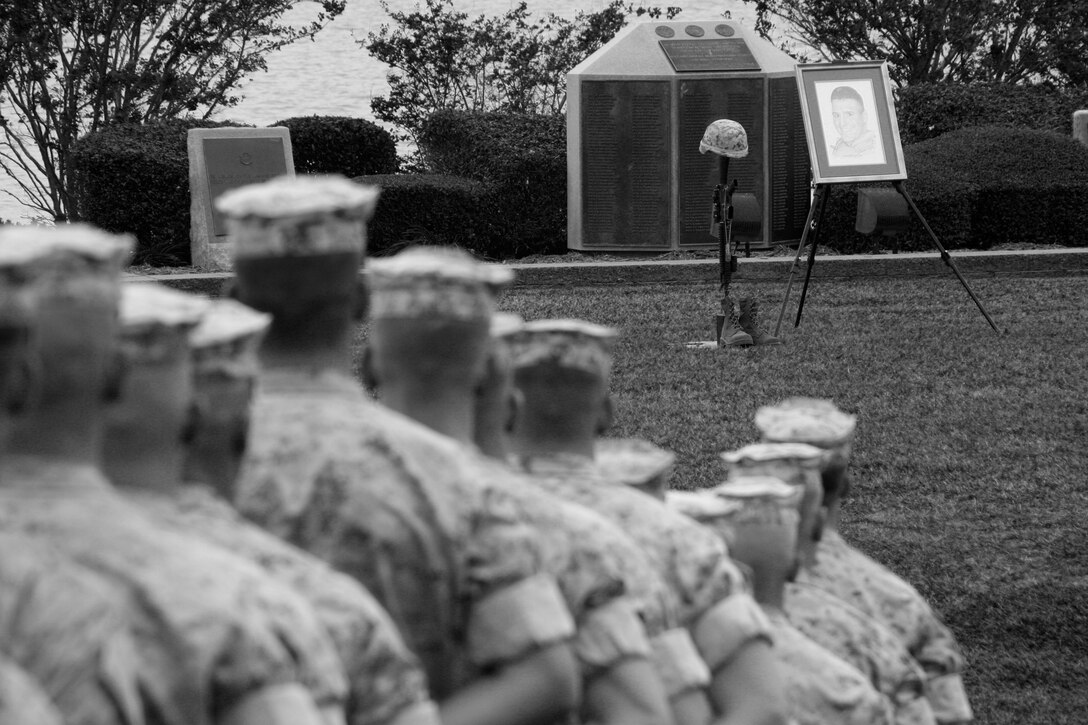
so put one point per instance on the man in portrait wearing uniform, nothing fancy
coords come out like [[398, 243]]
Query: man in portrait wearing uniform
[[375, 494], [856, 142], [562, 370]]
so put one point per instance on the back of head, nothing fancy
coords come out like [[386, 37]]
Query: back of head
[[69, 276], [562, 370], [298, 244], [817, 422], [430, 312]]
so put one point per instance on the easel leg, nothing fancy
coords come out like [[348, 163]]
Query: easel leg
[[811, 224], [945, 256]]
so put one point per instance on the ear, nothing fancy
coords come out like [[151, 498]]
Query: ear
[[607, 415], [25, 387], [515, 402], [821, 522], [370, 377], [361, 307], [192, 425], [115, 377]]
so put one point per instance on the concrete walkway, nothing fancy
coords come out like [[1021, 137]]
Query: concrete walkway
[[973, 264]]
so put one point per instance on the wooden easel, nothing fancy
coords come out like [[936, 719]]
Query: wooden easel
[[812, 228]]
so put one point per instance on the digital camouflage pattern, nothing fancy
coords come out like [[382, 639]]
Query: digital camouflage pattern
[[877, 591], [22, 701], [385, 681], [866, 644], [715, 601], [398, 507], [821, 688], [210, 629], [68, 631]]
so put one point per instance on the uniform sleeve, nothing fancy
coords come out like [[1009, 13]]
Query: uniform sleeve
[[726, 627], [515, 607], [22, 701], [609, 634], [385, 679], [514, 621], [678, 663], [948, 699]]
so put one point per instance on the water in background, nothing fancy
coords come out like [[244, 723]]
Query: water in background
[[334, 75]]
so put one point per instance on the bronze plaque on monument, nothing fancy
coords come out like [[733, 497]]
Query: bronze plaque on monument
[[234, 162], [709, 56]]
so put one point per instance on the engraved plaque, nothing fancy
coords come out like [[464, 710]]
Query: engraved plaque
[[234, 162], [701, 103], [709, 55], [625, 163], [789, 162]]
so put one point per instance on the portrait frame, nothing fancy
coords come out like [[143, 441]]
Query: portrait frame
[[858, 139]]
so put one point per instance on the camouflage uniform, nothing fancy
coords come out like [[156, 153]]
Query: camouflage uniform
[[69, 632], [823, 689], [210, 629], [611, 586], [871, 587], [398, 507], [715, 603], [22, 701], [866, 644], [859, 580]]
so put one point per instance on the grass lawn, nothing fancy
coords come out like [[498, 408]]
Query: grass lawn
[[969, 464]]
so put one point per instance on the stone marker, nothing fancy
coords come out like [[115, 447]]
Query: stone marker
[[222, 159], [1080, 126]]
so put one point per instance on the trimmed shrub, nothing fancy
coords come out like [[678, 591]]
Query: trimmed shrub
[[522, 160], [980, 187], [340, 145], [427, 209], [134, 179], [927, 110]]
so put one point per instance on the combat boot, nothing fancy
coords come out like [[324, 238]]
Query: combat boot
[[749, 322], [730, 333]]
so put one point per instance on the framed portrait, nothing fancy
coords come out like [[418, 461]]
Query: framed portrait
[[850, 122]]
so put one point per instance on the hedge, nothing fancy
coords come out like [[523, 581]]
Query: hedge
[[522, 160], [427, 209], [340, 145], [928, 110], [980, 187], [135, 178]]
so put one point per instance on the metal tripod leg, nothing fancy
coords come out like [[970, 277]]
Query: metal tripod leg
[[945, 256], [811, 224]]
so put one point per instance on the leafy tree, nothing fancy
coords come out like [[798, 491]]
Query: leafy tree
[[930, 41], [443, 59], [70, 67]]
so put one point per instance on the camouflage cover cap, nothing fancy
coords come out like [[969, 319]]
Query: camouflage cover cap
[[763, 452], [435, 283], [565, 344], [806, 420], [74, 261], [298, 215], [227, 339], [505, 323], [632, 461], [703, 506], [758, 487], [155, 320], [725, 138]]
